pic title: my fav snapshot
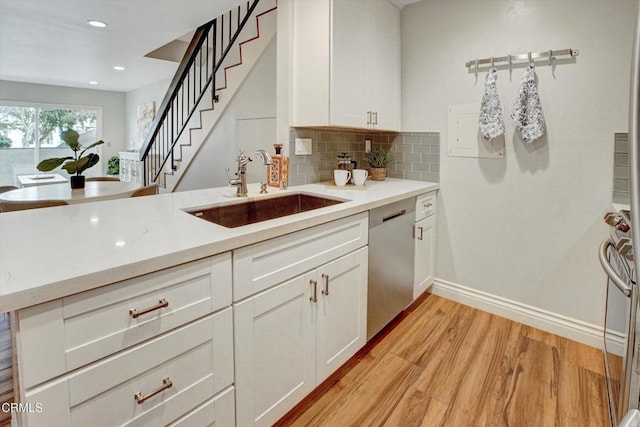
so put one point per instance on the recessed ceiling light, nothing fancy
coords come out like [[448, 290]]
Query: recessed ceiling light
[[118, 68], [95, 23], [93, 82]]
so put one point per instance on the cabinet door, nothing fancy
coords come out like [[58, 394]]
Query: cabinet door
[[274, 351], [348, 99], [424, 255], [383, 64], [342, 311]]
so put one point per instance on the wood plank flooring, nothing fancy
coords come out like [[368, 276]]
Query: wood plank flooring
[[445, 364], [6, 375]]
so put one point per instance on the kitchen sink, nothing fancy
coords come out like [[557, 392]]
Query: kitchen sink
[[250, 212]]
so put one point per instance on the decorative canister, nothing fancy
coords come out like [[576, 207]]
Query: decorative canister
[[278, 170]]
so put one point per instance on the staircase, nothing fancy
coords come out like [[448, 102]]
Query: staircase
[[216, 63]]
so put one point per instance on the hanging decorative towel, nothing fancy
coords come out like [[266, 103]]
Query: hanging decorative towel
[[527, 109], [491, 119]]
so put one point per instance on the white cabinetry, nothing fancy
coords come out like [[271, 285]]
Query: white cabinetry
[[346, 64], [424, 238], [130, 167], [151, 350], [293, 335]]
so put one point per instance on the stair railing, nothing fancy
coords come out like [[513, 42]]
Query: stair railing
[[195, 75]]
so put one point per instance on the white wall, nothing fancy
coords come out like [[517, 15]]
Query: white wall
[[250, 116], [111, 103], [526, 227], [152, 92]]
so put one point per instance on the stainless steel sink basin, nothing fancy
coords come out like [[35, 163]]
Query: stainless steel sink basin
[[250, 212]]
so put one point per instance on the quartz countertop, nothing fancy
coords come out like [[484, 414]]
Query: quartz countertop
[[51, 253]]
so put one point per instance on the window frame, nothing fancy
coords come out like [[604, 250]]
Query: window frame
[[55, 106]]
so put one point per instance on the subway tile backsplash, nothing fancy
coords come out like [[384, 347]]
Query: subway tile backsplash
[[417, 154], [621, 168]]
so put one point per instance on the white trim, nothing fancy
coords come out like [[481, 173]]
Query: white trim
[[573, 329]]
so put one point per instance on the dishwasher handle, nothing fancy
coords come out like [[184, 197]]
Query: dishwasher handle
[[606, 265], [394, 215]]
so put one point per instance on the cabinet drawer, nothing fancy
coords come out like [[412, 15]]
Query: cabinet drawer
[[425, 205], [63, 335], [219, 411], [260, 266], [196, 359]]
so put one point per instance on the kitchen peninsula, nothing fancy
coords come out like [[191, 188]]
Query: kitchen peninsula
[[131, 253]]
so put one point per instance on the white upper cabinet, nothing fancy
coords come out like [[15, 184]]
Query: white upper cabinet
[[346, 64], [383, 64]]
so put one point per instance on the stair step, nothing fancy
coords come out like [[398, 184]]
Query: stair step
[[230, 78]]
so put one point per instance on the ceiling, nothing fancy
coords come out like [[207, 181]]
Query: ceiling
[[50, 42]]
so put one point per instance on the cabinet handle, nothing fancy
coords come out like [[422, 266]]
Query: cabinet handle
[[134, 313], [368, 117], [314, 291], [428, 205], [166, 384], [420, 237], [325, 277], [375, 118]]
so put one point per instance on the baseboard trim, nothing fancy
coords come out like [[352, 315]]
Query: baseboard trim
[[554, 323]]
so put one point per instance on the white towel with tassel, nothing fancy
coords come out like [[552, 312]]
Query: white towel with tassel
[[527, 109], [491, 119]]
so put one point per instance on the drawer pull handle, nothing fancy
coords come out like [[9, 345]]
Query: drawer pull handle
[[325, 291], [166, 384], [134, 313], [428, 205], [314, 291], [421, 237]]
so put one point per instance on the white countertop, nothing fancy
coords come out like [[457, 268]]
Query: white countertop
[[55, 252]]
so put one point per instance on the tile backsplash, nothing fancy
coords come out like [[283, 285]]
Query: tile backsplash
[[417, 154], [621, 168]]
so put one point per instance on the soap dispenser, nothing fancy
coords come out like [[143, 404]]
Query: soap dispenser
[[278, 170]]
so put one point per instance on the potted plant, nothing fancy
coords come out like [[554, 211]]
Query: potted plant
[[113, 165], [378, 160], [75, 164]]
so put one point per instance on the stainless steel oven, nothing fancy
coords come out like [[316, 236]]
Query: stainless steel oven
[[621, 331]]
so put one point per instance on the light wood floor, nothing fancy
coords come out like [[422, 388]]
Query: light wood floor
[[446, 364]]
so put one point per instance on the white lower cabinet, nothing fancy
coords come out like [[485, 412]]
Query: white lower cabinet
[[217, 411], [425, 246], [151, 384], [424, 243], [153, 350], [292, 336]]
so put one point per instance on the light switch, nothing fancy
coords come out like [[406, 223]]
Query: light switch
[[303, 146]]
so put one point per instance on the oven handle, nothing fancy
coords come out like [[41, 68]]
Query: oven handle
[[606, 265]]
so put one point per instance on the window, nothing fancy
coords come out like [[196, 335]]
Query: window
[[30, 133]]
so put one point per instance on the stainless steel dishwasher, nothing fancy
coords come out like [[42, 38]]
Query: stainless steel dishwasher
[[391, 258]]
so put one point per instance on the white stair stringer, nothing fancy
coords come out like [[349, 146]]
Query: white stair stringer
[[230, 78]]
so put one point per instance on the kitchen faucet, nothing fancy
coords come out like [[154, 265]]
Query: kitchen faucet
[[241, 181]]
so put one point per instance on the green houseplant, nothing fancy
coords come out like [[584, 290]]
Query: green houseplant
[[75, 164], [113, 165], [378, 161]]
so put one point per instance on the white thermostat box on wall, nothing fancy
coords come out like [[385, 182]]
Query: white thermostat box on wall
[[465, 139]]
